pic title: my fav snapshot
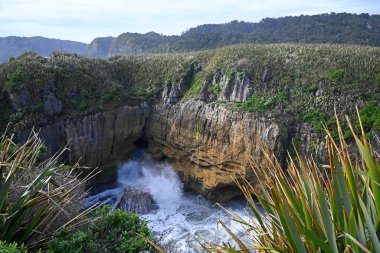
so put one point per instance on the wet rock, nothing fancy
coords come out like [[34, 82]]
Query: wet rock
[[136, 201], [52, 106]]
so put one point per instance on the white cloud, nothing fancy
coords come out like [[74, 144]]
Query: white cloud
[[85, 19]]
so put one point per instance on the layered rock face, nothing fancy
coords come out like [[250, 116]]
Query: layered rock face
[[100, 139], [208, 143], [210, 113]]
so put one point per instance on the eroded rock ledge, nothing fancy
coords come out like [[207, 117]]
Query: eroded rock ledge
[[207, 143], [208, 112], [100, 139]]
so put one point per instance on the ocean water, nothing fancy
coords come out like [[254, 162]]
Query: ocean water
[[182, 220]]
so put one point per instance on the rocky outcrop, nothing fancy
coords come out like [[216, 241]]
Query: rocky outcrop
[[174, 92], [211, 112], [100, 139], [99, 47], [136, 201], [235, 89], [21, 99], [209, 143]]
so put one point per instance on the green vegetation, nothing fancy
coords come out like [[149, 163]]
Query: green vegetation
[[194, 87], [215, 89], [114, 89], [312, 88], [314, 209], [377, 79], [111, 232], [11, 248], [15, 77], [370, 120], [316, 118], [254, 104], [146, 92], [82, 85], [82, 106], [37, 209], [292, 73], [35, 195], [370, 115], [337, 74], [230, 72], [330, 28]]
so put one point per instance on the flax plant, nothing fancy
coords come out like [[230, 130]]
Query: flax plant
[[308, 208], [36, 196]]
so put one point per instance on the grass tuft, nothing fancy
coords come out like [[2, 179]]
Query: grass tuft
[[36, 196]]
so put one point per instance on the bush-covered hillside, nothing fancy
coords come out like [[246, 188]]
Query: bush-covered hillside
[[344, 28], [334, 28], [307, 80]]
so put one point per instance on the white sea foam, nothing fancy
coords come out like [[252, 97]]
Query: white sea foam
[[181, 218]]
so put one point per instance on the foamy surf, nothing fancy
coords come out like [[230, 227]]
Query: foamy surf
[[181, 218]]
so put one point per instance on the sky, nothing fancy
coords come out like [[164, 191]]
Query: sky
[[84, 20]]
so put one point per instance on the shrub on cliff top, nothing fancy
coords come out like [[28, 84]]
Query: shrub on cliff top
[[114, 232], [335, 208]]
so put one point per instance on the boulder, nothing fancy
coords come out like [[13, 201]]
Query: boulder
[[136, 201]]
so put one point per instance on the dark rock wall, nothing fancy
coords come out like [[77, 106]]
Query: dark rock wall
[[100, 139]]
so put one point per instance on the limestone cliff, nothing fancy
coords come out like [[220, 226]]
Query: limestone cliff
[[209, 144], [100, 139], [209, 113]]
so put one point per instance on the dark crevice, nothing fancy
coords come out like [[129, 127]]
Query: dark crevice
[[141, 143]]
